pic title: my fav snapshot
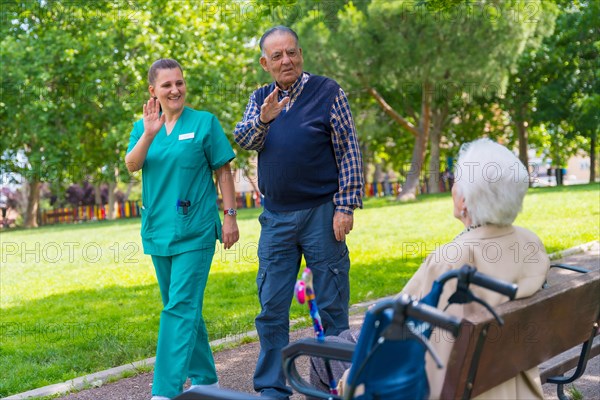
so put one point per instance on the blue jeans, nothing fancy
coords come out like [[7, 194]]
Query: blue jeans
[[285, 238]]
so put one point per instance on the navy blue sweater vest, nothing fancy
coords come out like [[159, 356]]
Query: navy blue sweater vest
[[296, 167]]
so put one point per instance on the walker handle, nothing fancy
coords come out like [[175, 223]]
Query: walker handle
[[497, 285]]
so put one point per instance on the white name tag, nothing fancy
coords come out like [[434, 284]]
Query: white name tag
[[186, 136]]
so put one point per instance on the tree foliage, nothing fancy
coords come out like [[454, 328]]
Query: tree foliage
[[422, 76], [74, 78], [568, 97], [422, 65]]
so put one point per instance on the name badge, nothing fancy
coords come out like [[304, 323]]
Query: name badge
[[185, 136]]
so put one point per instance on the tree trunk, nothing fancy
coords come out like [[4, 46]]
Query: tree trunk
[[128, 191], [558, 164], [252, 178], [364, 149], [523, 137], [593, 157], [112, 210], [438, 118], [392, 113], [97, 195], [377, 175], [33, 199], [409, 189], [112, 188]]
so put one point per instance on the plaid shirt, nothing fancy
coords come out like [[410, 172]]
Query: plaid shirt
[[251, 133]]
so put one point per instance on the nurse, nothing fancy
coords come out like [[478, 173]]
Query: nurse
[[178, 148]]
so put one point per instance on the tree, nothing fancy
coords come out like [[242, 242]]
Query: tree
[[587, 122], [416, 62], [527, 76], [74, 78], [567, 99], [62, 90]]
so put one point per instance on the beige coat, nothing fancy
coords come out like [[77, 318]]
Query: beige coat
[[510, 253]]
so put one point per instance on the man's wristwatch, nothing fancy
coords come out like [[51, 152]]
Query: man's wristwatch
[[230, 211]]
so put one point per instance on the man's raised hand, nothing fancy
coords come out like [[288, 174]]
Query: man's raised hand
[[271, 108]]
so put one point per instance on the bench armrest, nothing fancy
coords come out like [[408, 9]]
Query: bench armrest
[[312, 348], [573, 268]]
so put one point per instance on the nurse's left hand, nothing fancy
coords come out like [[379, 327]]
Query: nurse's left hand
[[230, 232]]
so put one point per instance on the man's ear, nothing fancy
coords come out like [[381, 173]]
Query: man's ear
[[263, 62]]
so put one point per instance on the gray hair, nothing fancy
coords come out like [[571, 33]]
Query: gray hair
[[163, 63], [493, 182], [275, 29]]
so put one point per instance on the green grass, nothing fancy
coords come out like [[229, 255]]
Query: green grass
[[76, 299], [574, 393]]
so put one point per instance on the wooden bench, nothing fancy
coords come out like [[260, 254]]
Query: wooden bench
[[536, 329], [553, 322]]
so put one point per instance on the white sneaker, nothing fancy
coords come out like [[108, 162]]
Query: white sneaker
[[214, 385], [160, 398]]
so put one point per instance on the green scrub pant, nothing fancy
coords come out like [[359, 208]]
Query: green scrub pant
[[183, 350]]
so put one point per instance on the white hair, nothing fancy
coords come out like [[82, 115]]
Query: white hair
[[493, 182]]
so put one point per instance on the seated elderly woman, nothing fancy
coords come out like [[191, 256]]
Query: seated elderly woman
[[488, 194]]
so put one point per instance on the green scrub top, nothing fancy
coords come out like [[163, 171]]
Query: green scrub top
[[178, 168]]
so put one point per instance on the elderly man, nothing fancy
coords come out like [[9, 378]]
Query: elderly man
[[310, 173]]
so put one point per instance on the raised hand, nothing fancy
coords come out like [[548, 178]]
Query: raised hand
[[153, 121], [271, 107]]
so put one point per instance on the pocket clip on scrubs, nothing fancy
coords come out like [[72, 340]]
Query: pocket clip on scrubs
[[184, 204]]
